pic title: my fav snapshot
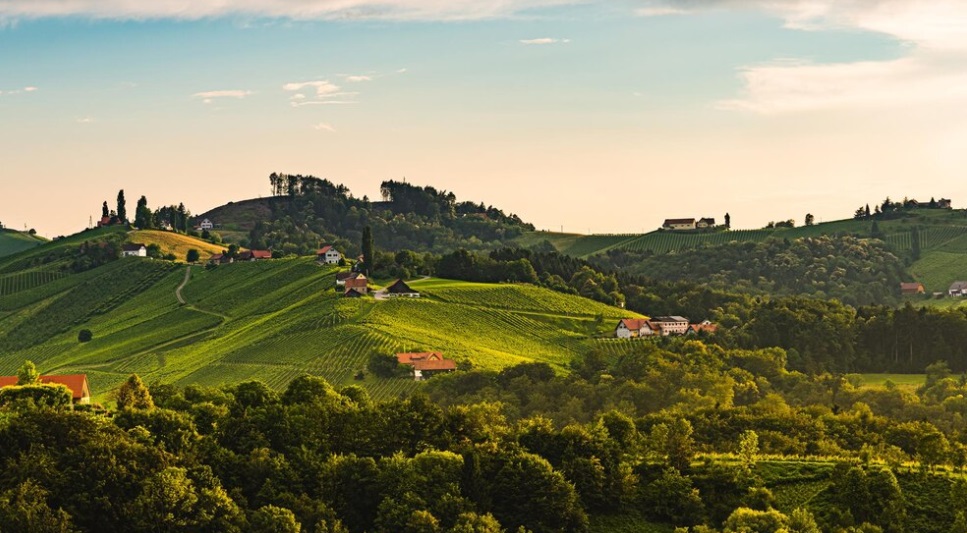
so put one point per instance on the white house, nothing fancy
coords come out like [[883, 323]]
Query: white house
[[705, 223], [629, 328], [134, 250], [958, 288], [329, 255], [671, 325], [679, 223], [206, 225]]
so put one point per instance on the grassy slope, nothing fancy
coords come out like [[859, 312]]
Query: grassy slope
[[275, 320], [12, 242], [236, 219], [176, 243], [943, 236]]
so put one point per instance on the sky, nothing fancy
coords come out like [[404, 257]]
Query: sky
[[587, 116]]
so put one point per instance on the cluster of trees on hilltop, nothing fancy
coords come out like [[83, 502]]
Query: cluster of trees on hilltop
[[175, 217], [522, 449], [310, 210], [853, 270]]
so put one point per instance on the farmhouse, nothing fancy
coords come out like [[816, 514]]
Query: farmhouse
[[328, 255], [944, 203], [400, 288], [702, 327], [629, 328], [426, 364], [343, 276], [358, 283], [679, 223], [206, 225], [958, 288], [77, 383], [134, 250], [705, 223], [220, 259], [255, 255], [670, 325], [912, 288]]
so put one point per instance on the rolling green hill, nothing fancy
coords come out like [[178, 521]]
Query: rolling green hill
[[274, 321], [12, 242], [942, 234]]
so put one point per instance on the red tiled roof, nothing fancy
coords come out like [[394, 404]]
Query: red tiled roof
[[261, 254], [634, 324], [77, 383], [323, 250], [432, 364], [710, 328], [356, 283], [914, 287], [412, 357]]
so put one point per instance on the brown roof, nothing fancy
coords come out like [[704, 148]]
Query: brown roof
[[670, 221], [410, 358], [433, 364], [634, 324], [261, 254], [348, 275], [709, 328], [77, 383], [356, 283], [400, 287], [352, 293]]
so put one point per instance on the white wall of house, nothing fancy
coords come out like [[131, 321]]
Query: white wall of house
[[333, 257], [140, 252], [622, 332]]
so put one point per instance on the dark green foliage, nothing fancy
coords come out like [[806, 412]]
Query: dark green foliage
[[85, 335], [192, 256], [367, 247], [134, 394], [385, 365], [122, 212], [35, 395]]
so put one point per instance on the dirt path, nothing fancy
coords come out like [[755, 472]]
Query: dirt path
[[181, 300]]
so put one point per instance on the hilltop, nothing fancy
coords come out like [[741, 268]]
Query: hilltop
[[12, 242], [273, 321]]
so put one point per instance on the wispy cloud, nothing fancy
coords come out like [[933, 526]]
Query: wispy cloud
[[544, 40], [660, 11], [357, 78], [318, 92], [11, 10], [322, 126], [210, 96], [28, 89], [84, 120]]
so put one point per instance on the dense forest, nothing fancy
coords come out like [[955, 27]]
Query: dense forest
[[312, 210], [684, 435], [853, 270]]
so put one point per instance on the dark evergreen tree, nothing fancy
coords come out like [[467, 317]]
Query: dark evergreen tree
[[122, 211], [367, 247], [105, 213]]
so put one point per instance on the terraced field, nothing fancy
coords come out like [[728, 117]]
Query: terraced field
[[272, 321]]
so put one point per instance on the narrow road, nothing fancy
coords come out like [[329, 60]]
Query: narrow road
[[181, 300]]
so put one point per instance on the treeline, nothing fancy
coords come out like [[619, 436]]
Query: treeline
[[853, 270], [523, 449], [312, 210], [171, 217]]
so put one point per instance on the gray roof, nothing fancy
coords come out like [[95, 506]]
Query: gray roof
[[675, 318], [958, 286]]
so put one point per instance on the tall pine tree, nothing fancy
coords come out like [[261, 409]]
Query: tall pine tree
[[367, 250], [122, 210]]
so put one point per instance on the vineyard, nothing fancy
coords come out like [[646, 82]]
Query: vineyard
[[273, 321], [12, 242], [662, 242], [176, 244]]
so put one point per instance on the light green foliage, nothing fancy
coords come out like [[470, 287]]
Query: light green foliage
[[745, 520], [272, 519], [27, 374], [134, 394], [749, 449], [36, 395], [802, 521]]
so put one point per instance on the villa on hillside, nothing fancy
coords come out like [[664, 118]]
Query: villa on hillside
[[134, 250], [328, 255], [401, 289], [426, 364], [205, 225], [702, 327], [255, 255], [679, 223], [630, 328], [77, 383], [359, 284], [912, 288], [958, 288], [342, 277], [705, 223]]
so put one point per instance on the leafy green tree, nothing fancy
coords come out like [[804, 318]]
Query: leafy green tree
[[142, 215], [745, 520], [272, 519], [134, 394], [802, 521], [44, 395], [167, 502], [105, 212], [85, 335], [809, 219], [678, 445], [192, 256], [25, 509], [672, 498], [748, 449], [27, 374]]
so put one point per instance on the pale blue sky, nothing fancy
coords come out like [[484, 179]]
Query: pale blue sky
[[594, 116]]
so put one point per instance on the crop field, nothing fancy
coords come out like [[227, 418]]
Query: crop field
[[911, 381], [276, 320], [176, 244], [661, 242], [26, 280]]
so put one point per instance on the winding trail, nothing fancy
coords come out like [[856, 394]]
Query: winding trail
[[181, 300]]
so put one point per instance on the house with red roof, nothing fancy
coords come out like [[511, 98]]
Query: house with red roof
[[77, 383], [255, 255], [426, 364], [630, 328], [328, 255], [912, 288], [359, 283], [702, 327]]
